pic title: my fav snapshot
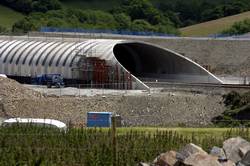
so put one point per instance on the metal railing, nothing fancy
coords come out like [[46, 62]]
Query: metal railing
[[106, 31]]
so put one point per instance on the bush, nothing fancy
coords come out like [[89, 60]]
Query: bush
[[238, 28], [3, 29], [237, 112]]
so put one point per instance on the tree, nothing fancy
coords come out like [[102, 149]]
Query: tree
[[123, 21], [142, 9], [23, 5], [212, 14], [22, 26], [3, 29], [141, 26], [46, 5], [28, 6], [234, 8]]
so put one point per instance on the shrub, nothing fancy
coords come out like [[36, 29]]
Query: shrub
[[238, 28]]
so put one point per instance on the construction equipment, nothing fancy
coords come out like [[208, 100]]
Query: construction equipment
[[49, 80]]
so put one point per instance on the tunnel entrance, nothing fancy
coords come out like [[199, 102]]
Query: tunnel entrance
[[141, 60], [151, 63], [127, 57]]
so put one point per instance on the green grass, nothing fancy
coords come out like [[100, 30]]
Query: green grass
[[213, 27], [8, 17], [189, 132], [94, 4], [29, 145]]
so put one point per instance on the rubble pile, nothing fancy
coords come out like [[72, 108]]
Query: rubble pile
[[11, 90], [163, 109], [235, 152]]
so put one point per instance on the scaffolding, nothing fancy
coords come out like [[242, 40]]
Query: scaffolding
[[88, 69]]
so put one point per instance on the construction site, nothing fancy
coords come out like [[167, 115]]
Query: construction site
[[145, 83]]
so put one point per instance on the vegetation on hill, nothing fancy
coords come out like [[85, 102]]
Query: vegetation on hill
[[104, 5], [238, 110], [28, 6], [8, 17], [213, 27], [127, 17], [238, 28], [135, 15], [183, 13]]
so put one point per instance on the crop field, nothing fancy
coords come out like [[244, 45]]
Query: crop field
[[28, 145], [8, 17], [213, 27]]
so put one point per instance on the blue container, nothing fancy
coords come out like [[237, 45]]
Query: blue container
[[99, 119]]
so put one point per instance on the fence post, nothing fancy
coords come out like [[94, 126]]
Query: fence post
[[114, 143], [79, 88]]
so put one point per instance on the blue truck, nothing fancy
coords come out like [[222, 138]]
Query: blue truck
[[49, 80]]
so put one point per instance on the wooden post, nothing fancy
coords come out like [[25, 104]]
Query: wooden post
[[114, 143]]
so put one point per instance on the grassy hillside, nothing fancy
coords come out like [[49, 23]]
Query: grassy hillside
[[94, 4], [213, 27], [8, 17]]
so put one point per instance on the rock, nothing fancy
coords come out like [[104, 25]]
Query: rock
[[246, 159], [228, 163], [201, 159], [190, 149], [143, 164], [218, 152], [232, 148], [167, 159], [239, 164], [243, 151]]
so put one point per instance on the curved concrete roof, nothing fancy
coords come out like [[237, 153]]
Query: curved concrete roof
[[31, 57]]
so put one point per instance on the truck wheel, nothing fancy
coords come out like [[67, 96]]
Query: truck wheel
[[48, 85]]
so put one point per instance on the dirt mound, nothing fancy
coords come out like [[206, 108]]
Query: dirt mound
[[154, 110], [11, 90], [163, 109]]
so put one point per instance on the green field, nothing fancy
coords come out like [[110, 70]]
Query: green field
[[94, 4], [213, 27], [8, 17], [29, 145], [198, 132]]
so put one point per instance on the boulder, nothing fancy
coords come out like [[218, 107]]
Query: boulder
[[246, 159], [239, 164], [201, 159], [218, 152], [190, 149], [227, 163], [243, 151], [167, 159], [232, 148], [143, 164]]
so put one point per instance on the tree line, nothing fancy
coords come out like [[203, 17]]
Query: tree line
[[185, 13], [134, 15]]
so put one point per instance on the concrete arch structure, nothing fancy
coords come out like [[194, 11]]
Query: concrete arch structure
[[144, 61]]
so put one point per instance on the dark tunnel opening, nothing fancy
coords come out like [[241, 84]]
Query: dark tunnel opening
[[125, 56], [148, 62], [141, 60]]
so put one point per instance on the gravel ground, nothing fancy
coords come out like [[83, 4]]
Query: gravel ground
[[157, 109]]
